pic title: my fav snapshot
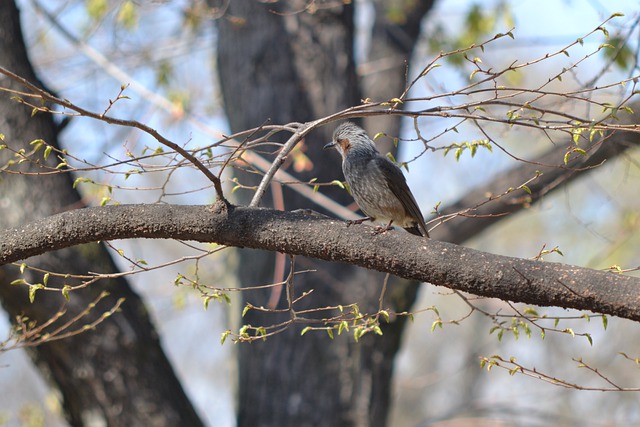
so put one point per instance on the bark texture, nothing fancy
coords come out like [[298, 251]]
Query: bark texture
[[395, 252], [116, 375], [285, 62]]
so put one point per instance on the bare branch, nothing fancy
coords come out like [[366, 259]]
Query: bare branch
[[46, 96]]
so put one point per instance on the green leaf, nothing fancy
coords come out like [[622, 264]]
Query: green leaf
[[358, 333], [22, 267], [426, 70], [390, 157], [32, 291], [79, 180], [65, 292], [576, 137], [96, 9], [338, 183], [47, 151], [605, 321], [18, 282], [243, 331], [128, 15], [525, 188], [305, 330], [343, 326], [45, 279], [246, 309], [566, 157], [330, 332], [261, 331], [37, 143], [224, 336]]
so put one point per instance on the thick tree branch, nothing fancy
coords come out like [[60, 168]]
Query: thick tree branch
[[401, 254]]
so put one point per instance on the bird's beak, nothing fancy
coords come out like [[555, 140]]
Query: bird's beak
[[329, 145]]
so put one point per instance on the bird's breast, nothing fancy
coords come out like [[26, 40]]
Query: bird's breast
[[371, 192]]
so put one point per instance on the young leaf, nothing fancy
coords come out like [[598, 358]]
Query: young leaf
[[47, 151], [65, 292]]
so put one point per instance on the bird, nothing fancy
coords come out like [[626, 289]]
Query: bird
[[376, 183]]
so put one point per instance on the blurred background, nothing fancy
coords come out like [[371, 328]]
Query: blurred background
[[165, 50]]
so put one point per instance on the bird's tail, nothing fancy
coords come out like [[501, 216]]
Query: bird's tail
[[416, 230]]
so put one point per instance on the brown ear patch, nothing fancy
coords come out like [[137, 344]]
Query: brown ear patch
[[345, 144]]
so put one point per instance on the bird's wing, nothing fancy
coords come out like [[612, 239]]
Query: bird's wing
[[398, 185]]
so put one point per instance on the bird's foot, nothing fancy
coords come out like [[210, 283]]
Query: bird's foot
[[357, 221], [381, 229]]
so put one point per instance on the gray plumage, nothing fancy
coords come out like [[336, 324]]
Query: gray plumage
[[377, 184]]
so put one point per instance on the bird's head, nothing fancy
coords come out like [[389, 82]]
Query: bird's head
[[348, 138]]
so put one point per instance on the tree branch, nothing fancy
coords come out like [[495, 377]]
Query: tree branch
[[395, 252], [48, 97], [546, 173]]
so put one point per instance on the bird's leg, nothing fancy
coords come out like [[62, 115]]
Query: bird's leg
[[381, 230], [358, 221]]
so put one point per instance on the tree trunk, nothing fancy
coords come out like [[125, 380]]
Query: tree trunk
[[295, 67], [117, 374]]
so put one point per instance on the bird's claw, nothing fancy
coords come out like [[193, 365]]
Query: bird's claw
[[381, 229], [356, 221]]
